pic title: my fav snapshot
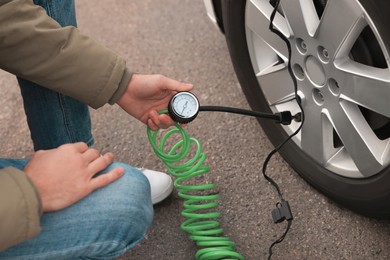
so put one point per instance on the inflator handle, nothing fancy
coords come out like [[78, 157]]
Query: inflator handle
[[283, 117]]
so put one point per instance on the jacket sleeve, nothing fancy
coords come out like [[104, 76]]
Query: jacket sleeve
[[20, 208], [35, 47]]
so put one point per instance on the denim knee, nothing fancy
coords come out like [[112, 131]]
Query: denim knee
[[130, 213], [104, 225]]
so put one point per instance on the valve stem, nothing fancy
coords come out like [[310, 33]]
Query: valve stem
[[298, 117]]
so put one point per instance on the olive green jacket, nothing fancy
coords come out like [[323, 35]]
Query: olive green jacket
[[35, 47]]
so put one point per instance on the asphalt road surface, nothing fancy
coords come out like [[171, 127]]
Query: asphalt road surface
[[175, 38]]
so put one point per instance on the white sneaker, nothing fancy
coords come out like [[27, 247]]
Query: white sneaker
[[161, 184]]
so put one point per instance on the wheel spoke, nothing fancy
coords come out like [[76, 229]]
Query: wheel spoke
[[367, 86], [316, 136], [276, 93], [358, 138], [301, 16], [258, 19], [341, 23]]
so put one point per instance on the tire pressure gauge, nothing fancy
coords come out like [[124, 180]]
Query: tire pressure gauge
[[183, 107]]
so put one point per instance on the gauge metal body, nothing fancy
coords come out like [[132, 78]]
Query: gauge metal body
[[183, 107]]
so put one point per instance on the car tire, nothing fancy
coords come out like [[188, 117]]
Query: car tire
[[368, 195]]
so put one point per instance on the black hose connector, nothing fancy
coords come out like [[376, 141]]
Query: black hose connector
[[285, 117], [282, 212]]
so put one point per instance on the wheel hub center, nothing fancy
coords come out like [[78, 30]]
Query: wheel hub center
[[315, 71]]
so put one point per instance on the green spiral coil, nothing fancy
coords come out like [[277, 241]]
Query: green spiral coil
[[201, 221]]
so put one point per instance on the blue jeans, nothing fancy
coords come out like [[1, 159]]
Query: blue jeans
[[103, 225], [65, 119]]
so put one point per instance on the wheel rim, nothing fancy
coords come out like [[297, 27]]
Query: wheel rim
[[347, 124]]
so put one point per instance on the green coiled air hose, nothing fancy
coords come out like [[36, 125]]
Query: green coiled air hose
[[201, 221]]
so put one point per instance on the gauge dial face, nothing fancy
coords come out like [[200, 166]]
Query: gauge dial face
[[185, 104]]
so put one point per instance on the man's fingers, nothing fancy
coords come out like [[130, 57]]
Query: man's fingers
[[106, 178], [154, 120], [80, 146], [153, 115], [101, 163], [152, 125], [175, 85], [157, 121], [165, 121], [91, 155]]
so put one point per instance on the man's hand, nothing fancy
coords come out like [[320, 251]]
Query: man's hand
[[63, 175], [147, 94]]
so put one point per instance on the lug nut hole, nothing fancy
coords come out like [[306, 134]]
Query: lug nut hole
[[323, 54], [301, 46], [298, 72], [318, 97], [334, 87]]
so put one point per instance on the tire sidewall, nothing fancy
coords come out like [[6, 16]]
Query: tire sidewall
[[368, 196]]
